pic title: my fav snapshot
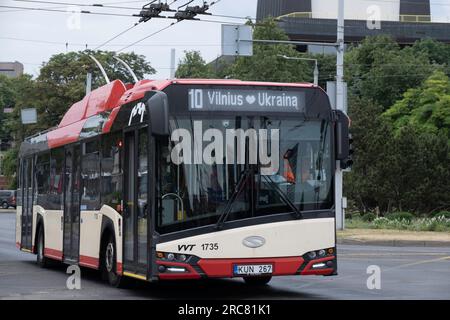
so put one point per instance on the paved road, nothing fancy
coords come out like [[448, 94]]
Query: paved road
[[406, 273]]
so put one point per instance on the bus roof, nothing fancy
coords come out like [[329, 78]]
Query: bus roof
[[109, 98]]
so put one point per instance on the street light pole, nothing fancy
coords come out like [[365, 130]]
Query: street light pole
[[340, 210], [316, 66]]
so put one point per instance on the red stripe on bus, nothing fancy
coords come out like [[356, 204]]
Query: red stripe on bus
[[52, 253], [89, 262], [309, 271], [119, 268], [224, 267]]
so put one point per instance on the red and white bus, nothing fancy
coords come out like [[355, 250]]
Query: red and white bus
[[102, 189]]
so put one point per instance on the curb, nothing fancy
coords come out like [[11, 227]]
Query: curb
[[394, 243]]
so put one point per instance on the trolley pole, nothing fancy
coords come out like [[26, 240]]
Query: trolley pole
[[340, 210]]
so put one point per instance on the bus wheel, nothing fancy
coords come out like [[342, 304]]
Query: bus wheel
[[109, 263], [257, 281], [41, 260]]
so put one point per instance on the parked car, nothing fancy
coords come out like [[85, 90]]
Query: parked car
[[8, 198]]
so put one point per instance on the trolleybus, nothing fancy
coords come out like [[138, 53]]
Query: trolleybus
[[138, 181]]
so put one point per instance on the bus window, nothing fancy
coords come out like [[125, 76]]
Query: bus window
[[142, 194], [90, 174], [42, 179], [112, 171], [56, 179]]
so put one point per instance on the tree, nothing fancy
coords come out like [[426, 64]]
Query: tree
[[437, 52], [266, 64], [368, 184], [193, 66], [379, 70], [405, 169], [427, 107]]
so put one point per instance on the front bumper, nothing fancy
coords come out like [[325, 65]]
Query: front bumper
[[196, 268]]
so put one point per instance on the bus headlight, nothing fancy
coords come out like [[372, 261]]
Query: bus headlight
[[170, 257], [322, 253], [312, 254], [173, 257]]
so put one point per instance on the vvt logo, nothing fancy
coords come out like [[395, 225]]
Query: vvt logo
[[186, 247]]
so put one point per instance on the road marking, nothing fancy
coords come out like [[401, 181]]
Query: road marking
[[419, 262], [392, 254]]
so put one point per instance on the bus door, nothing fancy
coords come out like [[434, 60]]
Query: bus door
[[27, 203], [71, 242], [136, 214]]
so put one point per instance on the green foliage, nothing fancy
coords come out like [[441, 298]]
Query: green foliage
[[445, 214], [9, 167], [402, 159], [368, 217], [401, 215], [437, 52], [427, 107], [379, 70], [440, 224], [266, 64], [366, 184], [193, 66]]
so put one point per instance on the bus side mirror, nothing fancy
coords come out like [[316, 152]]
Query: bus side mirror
[[343, 140], [158, 110]]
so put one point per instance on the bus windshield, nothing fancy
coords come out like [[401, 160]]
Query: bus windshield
[[196, 191]]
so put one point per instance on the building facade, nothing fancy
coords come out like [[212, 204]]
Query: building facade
[[11, 69], [315, 20]]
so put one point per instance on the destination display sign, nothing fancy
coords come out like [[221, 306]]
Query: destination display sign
[[246, 100]]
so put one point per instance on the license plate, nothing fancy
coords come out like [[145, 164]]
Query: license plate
[[252, 269]]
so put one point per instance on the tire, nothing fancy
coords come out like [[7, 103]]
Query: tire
[[41, 260], [257, 281], [5, 205], [109, 263]]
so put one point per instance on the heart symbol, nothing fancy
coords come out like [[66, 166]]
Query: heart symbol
[[250, 99]]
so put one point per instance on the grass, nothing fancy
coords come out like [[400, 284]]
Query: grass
[[439, 224]]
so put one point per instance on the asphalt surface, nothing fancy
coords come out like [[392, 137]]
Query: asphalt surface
[[406, 273]]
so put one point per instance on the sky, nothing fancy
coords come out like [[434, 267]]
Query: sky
[[20, 28]]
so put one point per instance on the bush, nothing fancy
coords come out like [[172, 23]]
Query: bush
[[426, 224], [445, 214], [369, 217], [401, 216]]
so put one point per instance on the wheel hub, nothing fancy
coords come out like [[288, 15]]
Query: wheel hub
[[109, 257]]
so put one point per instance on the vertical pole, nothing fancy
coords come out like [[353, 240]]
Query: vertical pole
[[340, 214], [316, 74], [88, 83], [172, 63]]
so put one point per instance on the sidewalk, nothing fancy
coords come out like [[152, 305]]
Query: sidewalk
[[396, 238]]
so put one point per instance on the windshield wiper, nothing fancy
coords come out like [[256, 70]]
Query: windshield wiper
[[239, 187], [298, 214]]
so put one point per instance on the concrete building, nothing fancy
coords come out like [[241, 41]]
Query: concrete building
[[11, 69], [315, 20]]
